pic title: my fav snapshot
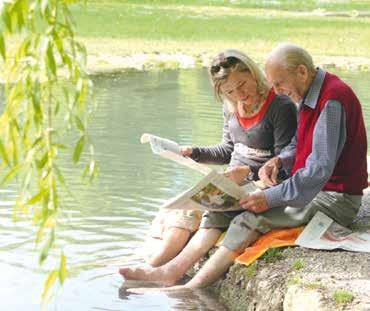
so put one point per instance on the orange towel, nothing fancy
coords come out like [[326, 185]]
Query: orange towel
[[274, 238]]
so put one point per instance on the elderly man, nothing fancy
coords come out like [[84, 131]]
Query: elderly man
[[326, 160]]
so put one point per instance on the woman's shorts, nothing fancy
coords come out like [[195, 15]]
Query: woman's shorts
[[166, 219]]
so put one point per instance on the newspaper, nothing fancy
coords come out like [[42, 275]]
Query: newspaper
[[322, 232], [215, 192], [171, 150]]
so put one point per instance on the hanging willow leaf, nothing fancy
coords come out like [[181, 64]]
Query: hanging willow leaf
[[6, 18], [52, 277], [41, 163], [62, 268], [12, 173], [79, 124], [37, 108], [45, 250], [37, 197], [44, 6], [59, 175], [4, 154], [78, 149], [2, 47], [50, 59], [18, 7]]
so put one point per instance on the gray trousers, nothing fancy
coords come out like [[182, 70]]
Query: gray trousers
[[245, 227]]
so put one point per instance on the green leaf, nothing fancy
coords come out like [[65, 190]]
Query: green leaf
[[36, 106], [60, 146], [79, 124], [37, 197], [4, 154], [55, 194], [50, 59], [45, 250], [13, 18], [59, 175], [52, 277], [78, 149], [37, 142], [6, 18], [83, 94], [44, 6], [27, 181], [14, 129], [2, 47], [62, 268], [11, 174], [92, 168], [57, 107], [20, 17], [41, 163]]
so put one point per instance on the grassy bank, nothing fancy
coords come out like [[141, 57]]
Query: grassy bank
[[119, 28]]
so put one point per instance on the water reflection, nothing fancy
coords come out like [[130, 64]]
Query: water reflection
[[201, 299], [103, 225]]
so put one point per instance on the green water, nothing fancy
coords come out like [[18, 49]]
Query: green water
[[106, 224]]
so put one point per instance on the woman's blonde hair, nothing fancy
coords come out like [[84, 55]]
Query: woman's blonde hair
[[230, 61]]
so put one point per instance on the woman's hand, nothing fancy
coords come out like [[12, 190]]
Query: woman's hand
[[268, 173], [255, 202], [238, 174], [186, 151]]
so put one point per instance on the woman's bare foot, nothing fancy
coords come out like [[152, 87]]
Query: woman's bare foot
[[145, 290], [158, 275]]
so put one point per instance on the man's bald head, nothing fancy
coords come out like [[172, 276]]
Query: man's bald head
[[289, 57], [290, 70]]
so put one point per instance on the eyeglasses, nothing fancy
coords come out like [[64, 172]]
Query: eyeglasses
[[223, 63]]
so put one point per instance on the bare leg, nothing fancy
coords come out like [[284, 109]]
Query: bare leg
[[214, 268], [173, 242], [174, 270]]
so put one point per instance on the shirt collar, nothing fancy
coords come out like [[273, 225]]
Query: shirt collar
[[312, 95]]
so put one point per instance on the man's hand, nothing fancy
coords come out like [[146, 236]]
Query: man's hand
[[268, 173], [255, 202], [186, 151], [238, 174]]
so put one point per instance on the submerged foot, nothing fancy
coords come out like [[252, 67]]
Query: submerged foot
[[145, 290], [156, 275]]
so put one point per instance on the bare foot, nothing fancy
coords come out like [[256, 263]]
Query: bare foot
[[145, 290], [158, 275]]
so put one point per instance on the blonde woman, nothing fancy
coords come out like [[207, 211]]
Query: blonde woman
[[257, 125]]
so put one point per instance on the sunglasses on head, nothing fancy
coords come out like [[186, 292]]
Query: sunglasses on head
[[224, 63]]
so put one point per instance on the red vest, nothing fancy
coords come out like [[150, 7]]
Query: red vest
[[350, 172]]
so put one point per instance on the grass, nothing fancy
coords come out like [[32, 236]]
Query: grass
[[297, 280], [197, 27], [288, 5], [313, 285], [251, 270], [294, 280], [273, 254], [341, 297], [298, 264]]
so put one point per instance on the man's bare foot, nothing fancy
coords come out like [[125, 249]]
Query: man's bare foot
[[157, 275]]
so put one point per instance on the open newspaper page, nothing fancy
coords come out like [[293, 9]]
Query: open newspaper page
[[322, 232], [171, 150], [214, 192]]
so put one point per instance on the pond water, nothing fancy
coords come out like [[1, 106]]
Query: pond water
[[103, 227]]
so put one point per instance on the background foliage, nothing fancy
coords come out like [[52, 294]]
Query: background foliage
[[44, 80]]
